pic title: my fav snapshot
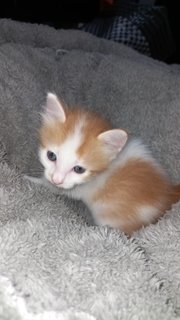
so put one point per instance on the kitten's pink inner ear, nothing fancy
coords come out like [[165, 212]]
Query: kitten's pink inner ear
[[114, 140], [54, 110]]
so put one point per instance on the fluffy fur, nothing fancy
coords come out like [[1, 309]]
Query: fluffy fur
[[120, 182]]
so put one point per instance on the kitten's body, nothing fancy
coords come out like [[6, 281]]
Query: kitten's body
[[133, 192], [122, 184]]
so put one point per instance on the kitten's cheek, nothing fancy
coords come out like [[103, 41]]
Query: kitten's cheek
[[87, 177]]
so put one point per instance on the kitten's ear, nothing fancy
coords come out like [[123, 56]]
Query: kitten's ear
[[53, 110], [113, 141]]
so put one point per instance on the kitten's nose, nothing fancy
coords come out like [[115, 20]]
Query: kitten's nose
[[56, 179]]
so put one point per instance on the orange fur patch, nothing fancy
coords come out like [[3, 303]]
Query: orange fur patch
[[91, 149], [138, 183]]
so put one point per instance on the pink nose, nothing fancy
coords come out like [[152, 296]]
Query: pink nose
[[56, 179]]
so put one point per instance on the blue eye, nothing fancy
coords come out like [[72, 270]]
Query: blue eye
[[79, 169], [51, 156]]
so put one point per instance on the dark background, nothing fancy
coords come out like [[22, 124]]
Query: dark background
[[67, 13], [174, 22]]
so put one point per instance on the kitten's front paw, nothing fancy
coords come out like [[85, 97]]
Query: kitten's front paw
[[34, 179]]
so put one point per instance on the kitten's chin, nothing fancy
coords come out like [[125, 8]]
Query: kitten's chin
[[63, 186], [60, 186], [69, 186]]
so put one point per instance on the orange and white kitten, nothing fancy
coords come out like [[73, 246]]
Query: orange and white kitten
[[119, 181]]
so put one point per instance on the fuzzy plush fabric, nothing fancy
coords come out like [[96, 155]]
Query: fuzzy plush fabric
[[54, 264]]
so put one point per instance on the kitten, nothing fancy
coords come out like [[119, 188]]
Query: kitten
[[119, 181]]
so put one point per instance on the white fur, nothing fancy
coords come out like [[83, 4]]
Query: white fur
[[105, 221], [147, 213], [134, 149], [99, 210]]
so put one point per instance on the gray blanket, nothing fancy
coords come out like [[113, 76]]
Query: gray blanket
[[54, 264]]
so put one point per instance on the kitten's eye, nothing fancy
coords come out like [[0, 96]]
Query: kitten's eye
[[79, 169], [51, 156]]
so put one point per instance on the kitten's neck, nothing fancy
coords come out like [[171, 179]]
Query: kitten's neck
[[86, 190]]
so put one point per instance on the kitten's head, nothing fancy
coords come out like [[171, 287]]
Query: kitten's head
[[75, 145]]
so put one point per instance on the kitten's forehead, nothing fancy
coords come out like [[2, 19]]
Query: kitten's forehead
[[67, 151], [71, 144], [56, 133]]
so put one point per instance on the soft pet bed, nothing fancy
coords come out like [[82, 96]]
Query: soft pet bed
[[54, 264]]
